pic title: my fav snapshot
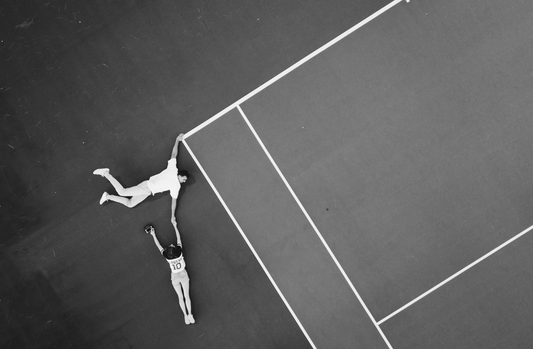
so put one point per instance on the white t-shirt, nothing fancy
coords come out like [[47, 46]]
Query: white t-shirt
[[166, 180], [176, 264]]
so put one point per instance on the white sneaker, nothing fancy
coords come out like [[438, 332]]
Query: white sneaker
[[101, 171], [103, 198], [187, 320], [191, 319]]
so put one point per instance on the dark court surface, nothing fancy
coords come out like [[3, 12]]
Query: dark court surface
[[282, 237], [110, 84], [409, 145], [489, 306], [410, 142]]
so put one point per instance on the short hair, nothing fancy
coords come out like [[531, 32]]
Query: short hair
[[172, 252], [183, 173]]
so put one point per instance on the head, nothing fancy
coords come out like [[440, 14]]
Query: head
[[172, 252], [183, 175]]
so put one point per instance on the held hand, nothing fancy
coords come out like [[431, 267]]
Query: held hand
[[180, 137], [173, 220]]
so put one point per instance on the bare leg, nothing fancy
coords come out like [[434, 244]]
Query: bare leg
[[177, 287], [185, 286], [138, 190], [128, 202], [137, 193]]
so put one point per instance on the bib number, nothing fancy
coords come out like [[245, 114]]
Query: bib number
[[177, 265]]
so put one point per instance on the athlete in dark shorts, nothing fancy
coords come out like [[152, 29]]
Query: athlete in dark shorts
[[179, 276]]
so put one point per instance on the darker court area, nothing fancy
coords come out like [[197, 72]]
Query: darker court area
[[111, 83]]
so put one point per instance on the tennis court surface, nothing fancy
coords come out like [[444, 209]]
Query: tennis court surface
[[368, 187], [382, 182]]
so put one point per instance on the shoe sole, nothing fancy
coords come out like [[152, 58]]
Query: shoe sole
[[98, 172], [103, 198]]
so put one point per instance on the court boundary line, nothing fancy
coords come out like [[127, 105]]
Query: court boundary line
[[315, 228], [292, 67], [237, 104], [250, 245], [450, 278]]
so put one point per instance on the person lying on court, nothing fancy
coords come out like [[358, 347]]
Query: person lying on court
[[179, 276], [168, 180]]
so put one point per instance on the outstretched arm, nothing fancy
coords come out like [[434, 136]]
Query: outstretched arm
[[152, 232], [173, 211], [178, 237], [175, 148], [174, 222]]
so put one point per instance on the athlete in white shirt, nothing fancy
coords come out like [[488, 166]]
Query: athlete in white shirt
[[179, 277], [168, 180]]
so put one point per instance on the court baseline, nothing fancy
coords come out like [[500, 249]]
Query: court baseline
[[291, 68]]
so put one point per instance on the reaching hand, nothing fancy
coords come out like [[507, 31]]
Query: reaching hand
[[149, 230]]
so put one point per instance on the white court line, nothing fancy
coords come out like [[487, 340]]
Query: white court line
[[454, 275], [237, 104], [249, 244], [314, 227], [291, 68]]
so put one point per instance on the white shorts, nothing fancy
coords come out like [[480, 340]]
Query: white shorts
[[180, 277]]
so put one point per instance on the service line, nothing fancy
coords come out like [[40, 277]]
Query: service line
[[454, 275]]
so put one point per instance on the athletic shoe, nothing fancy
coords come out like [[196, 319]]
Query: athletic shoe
[[191, 319], [103, 198], [187, 320], [101, 171]]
